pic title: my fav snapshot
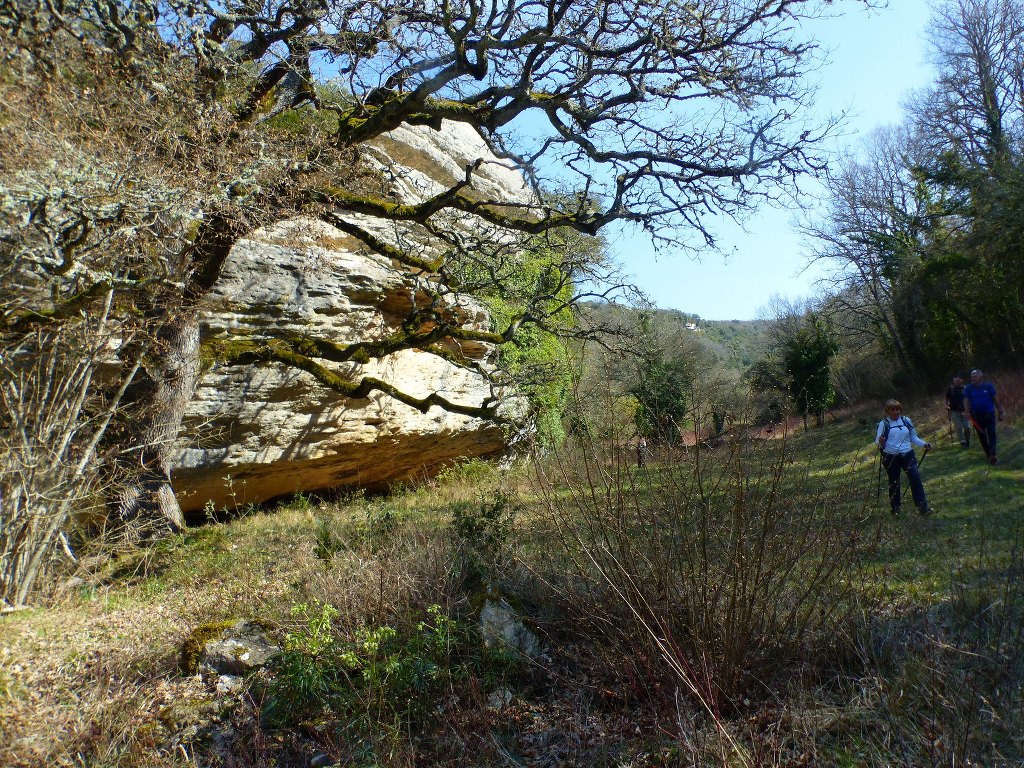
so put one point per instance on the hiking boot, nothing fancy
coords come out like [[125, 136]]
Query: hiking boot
[[924, 509], [993, 460], [896, 510], [964, 444]]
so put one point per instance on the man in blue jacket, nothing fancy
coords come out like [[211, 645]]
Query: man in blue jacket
[[982, 407]]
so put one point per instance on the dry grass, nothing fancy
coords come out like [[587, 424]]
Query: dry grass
[[929, 670], [90, 685], [93, 679]]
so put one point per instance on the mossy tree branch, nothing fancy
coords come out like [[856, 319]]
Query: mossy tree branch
[[251, 353], [623, 91], [606, 94], [537, 219], [67, 309]]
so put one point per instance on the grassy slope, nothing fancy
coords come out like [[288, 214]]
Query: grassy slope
[[978, 506], [93, 680]]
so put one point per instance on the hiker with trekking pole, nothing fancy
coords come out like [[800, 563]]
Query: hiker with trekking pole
[[642, 452], [983, 409], [959, 424], [896, 438]]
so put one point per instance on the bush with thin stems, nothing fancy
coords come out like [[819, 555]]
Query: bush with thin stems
[[730, 565], [54, 414]]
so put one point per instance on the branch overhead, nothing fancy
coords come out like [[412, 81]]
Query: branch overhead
[[212, 119], [668, 113]]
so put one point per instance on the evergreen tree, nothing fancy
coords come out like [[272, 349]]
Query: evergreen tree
[[807, 356]]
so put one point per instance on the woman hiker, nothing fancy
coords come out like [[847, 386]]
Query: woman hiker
[[896, 437]]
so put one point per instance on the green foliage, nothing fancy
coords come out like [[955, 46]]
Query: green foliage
[[474, 471], [806, 358], [379, 524], [658, 372], [769, 383], [373, 525], [378, 683], [677, 377], [741, 341], [533, 294], [484, 527], [327, 543], [307, 677], [483, 532], [538, 361], [663, 393], [971, 284], [928, 228]]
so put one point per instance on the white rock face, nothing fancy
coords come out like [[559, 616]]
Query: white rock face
[[275, 430], [424, 162]]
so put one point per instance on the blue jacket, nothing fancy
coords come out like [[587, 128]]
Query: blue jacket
[[981, 397]]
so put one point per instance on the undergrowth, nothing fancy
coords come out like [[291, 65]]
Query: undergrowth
[[745, 604]]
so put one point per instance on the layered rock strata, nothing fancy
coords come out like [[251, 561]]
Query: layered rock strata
[[257, 432]]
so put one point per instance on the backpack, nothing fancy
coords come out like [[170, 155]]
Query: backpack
[[907, 425]]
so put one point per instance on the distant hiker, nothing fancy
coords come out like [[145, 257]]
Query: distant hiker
[[982, 406], [641, 452], [718, 422], [958, 420], [896, 438]]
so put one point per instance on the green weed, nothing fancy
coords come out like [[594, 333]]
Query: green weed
[[485, 527], [327, 542], [473, 472], [379, 683]]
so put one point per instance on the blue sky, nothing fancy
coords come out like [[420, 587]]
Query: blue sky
[[877, 58]]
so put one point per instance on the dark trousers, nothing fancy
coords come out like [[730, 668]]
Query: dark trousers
[[895, 463], [985, 426]]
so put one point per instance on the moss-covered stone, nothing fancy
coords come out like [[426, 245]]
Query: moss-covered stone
[[192, 647]]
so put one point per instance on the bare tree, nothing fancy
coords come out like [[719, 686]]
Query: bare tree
[[974, 109], [922, 229], [879, 218], [972, 121], [190, 124], [53, 420]]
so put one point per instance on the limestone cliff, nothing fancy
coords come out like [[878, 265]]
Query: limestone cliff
[[275, 430]]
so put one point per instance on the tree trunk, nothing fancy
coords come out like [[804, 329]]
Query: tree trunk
[[148, 507]]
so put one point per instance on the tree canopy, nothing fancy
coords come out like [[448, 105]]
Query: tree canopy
[[924, 229]]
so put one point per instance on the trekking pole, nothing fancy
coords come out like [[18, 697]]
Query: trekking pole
[[923, 457], [881, 457], [981, 433]]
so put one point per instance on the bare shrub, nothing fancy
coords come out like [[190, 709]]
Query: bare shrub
[[728, 566], [53, 416], [1011, 392]]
